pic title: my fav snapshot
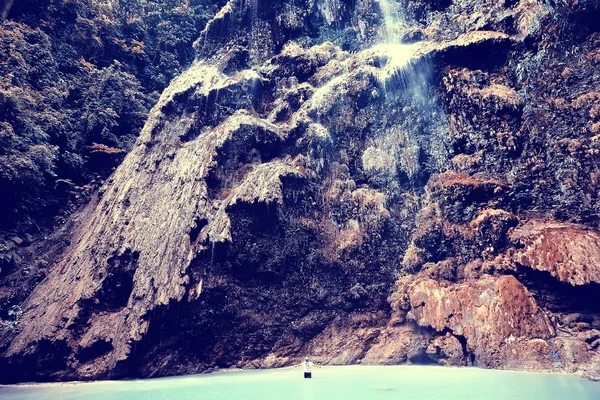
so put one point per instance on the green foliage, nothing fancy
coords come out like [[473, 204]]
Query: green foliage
[[14, 317], [113, 107], [79, 73]]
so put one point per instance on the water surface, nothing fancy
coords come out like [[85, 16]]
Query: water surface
[[328, 383]]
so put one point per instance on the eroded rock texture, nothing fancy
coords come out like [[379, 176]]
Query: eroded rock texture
[[322, 182]]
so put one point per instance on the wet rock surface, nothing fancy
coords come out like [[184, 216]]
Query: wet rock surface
[[307, 187]]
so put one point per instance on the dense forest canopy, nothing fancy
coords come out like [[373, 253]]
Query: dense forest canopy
[[76, 82]]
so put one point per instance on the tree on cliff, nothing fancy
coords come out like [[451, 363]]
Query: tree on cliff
[[74, 73]]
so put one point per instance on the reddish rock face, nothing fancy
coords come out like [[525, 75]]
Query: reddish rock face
[[447, 350], [568, 252], [495, 317]]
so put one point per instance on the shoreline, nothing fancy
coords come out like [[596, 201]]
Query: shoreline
[[234, 370]]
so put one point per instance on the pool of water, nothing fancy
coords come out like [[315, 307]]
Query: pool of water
[[328, 383]]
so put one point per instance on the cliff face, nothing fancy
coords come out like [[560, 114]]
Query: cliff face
[[365, 182]]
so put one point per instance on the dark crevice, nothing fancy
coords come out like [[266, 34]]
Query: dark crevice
[[199, 224], [96, 350], [256, 228], [48, 363], [485, 57], [463, 343], [467, 356], [115, 291], [557, 296], [421, 358], [250, 146]]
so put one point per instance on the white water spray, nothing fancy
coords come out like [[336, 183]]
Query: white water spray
[[399, 55], [392, 18], [398, 146]]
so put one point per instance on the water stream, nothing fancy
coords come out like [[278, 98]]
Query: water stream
[[392, 18]]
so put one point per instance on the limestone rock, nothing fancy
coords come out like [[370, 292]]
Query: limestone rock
[[495, 316], [568, 252], [306, 187]]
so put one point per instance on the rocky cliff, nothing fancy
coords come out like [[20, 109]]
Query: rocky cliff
[[362, 181]]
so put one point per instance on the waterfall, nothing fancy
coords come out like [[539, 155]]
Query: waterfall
[[391, 19], [399, 54], [398, 145]]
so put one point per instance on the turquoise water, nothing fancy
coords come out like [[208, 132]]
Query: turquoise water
[[328, 383]]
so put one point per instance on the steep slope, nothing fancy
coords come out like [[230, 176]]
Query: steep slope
[[331, 179]]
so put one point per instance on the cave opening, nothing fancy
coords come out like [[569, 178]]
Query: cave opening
[[96, 350], [559, 296]]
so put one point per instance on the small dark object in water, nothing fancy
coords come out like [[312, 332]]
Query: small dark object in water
[[308, 375]]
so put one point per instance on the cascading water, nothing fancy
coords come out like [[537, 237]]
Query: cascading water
[[391, 20], [405, 83], [399, 55]]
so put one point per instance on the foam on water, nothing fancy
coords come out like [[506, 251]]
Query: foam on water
[[329, 383]]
